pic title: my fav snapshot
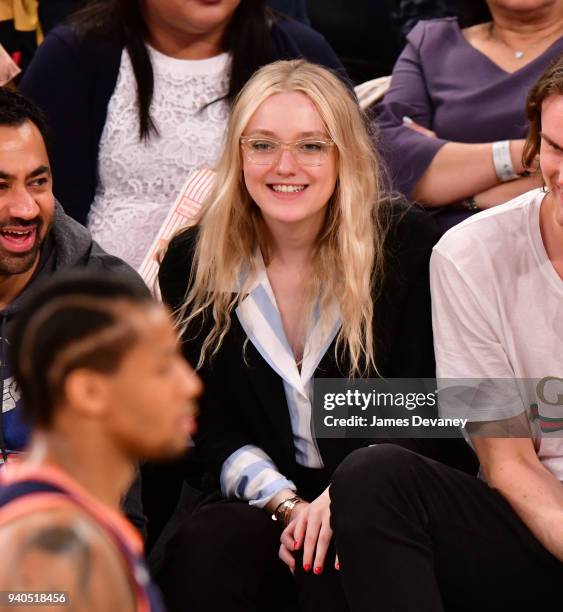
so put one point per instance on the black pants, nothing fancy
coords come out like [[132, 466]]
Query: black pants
[[223, 556], [415, 535]]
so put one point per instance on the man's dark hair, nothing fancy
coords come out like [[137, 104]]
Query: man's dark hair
[[74, 320], [550, 83], [247, 38], [16, 109]]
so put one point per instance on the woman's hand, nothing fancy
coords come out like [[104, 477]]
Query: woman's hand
[[309, 529], [413, 125]]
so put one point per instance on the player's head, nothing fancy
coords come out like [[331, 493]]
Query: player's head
[[100, 349]]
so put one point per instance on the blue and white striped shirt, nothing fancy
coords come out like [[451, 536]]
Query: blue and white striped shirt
[[249, 473]]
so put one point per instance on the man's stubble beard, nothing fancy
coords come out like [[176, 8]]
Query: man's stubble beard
[[14, 263], [20, 263]]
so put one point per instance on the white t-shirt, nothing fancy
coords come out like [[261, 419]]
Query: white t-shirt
[[497, 305], [139, 181]]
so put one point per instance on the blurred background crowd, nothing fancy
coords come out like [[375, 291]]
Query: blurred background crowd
[[366, 34]]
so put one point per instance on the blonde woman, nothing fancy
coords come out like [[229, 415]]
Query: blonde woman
[[296, 269]]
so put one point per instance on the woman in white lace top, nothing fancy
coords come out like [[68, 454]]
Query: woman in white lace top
[[138, 95], [139, 181]]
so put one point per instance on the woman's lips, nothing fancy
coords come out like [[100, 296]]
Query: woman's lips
[[287, 195]]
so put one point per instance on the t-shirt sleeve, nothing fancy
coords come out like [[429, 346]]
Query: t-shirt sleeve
[[408, 153], [475, 377]]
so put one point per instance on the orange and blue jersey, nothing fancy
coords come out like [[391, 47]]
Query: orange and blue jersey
[[26, 489]]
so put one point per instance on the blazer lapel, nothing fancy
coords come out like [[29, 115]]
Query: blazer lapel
[[319, 340], [269, 357], [261, 320], [270, 392]]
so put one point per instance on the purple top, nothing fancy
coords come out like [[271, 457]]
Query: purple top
[[445, 84]]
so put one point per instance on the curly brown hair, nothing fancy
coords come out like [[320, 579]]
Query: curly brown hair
[[550, 83]]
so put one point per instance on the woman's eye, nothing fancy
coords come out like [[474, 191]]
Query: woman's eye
[[263, 146], [311, 147]]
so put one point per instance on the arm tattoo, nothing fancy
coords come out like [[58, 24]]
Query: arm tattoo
[[65, 542]]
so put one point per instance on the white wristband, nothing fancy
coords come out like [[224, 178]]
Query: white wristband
[[502, 161]]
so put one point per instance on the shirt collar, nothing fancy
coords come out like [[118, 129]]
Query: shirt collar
[[260, 318]]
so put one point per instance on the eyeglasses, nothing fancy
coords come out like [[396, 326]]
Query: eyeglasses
[[267, 151]]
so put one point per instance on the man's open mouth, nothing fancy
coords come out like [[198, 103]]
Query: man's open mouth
[[18, 239]]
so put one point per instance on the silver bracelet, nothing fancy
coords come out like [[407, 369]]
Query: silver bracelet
[[502, 161]]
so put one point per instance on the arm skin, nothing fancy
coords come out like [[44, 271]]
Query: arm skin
[[503, 192], [511, 466], [60, 550], [460, 171]]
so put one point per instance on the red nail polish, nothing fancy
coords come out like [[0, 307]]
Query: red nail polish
[[295, 545], [307, 567], [338, 566], [318, 570]]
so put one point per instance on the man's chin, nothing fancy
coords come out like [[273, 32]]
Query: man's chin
[[18, 263]]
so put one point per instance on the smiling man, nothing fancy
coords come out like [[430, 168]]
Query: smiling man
[[496, 542], [36, 239]]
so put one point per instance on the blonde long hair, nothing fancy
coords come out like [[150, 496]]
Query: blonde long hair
[[347, 262]]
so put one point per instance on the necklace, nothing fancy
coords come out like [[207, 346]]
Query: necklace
[[518, 53]]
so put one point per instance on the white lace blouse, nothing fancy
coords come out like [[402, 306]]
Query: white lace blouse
[[139, 181]]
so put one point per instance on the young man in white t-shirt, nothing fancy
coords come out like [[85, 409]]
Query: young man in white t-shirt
[[413, 534]]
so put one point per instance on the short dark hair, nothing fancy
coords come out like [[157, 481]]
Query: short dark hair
[[65, 324], [16, 109], [550, 83]]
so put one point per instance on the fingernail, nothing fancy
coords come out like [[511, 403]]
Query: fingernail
[[407, 119], [337, 566], [318, 570], [307, 567]]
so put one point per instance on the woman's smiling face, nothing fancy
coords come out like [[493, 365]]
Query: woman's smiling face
[[287, 191]]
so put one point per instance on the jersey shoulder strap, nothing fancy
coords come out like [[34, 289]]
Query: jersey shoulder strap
[[17, 490]]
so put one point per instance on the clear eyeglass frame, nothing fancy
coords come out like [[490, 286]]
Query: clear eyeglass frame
[[298, 148]]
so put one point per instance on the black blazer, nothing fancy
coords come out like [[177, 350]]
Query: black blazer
[[244, 400]]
